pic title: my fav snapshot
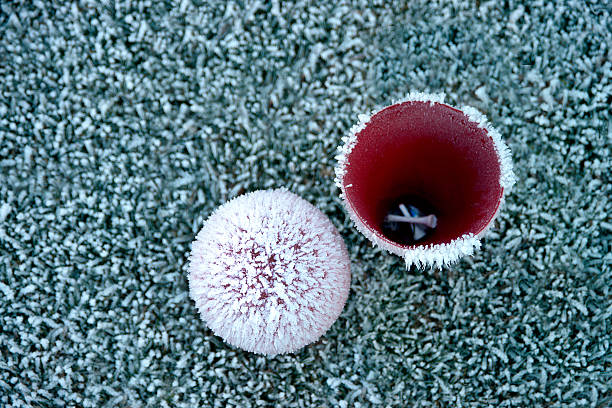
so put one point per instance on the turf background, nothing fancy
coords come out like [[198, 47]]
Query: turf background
[[124, 124]]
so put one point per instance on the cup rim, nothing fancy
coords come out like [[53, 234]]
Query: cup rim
[[431, 254]]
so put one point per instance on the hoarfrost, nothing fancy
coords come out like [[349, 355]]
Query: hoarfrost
[[269, 272]]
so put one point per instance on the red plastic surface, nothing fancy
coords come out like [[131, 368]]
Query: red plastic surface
[[432, 152]]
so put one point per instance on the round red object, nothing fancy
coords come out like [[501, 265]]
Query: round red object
[[437, 154]]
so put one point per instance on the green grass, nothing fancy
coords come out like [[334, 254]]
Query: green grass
[[123, 125]]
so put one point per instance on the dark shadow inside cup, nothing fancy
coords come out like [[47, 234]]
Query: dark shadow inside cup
[[432, 153]]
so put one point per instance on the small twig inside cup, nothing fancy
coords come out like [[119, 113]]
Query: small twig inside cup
[[409, 225], [429, 221]]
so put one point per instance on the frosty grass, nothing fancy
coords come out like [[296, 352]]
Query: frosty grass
[[124, 124]]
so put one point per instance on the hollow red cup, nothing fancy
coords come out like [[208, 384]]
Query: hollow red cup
[[423, 154]]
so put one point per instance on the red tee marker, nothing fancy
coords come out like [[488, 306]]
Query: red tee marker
[[424, 180]]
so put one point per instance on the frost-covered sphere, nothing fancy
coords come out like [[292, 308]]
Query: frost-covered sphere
[[269, 272]]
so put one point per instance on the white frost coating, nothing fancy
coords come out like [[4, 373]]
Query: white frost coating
[[269, 272], [507, 177], [433, 255], [441, 254], [422, 97], [346, 148]]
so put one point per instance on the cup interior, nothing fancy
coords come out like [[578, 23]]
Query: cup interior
[[433, 153]]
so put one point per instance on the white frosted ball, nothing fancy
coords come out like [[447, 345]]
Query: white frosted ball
[[269, 272]]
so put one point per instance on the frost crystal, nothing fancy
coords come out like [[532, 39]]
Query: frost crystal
[[269, 272], [507, 177]]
